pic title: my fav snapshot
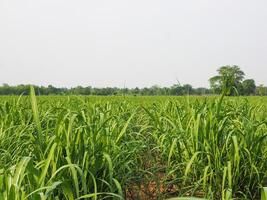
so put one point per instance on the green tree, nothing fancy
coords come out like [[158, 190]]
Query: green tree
[[228, 80], [188, 89], [177, 89], [249, 87], [261, 90]]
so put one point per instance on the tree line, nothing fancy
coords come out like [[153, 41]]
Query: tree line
[[230, 81], [174, 90]]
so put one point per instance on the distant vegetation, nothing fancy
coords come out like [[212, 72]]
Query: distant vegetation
[[230, 80], [79, 90]]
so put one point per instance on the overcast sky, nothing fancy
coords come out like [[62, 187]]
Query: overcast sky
[[130, 42]]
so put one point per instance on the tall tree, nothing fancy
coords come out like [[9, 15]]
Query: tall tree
[[228, 80]]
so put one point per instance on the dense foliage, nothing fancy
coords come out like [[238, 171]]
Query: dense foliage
[[79, 90], [175, 90], [230, 81], [132, 147]]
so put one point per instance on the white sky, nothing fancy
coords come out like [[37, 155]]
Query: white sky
[[130, 42]]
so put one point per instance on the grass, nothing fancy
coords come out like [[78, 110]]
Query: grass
[[132, 147]]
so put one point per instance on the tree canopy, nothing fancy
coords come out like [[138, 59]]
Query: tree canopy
[[230, 81], [174, 90]]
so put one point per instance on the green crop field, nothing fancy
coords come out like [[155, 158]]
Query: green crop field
[[77, 147]]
